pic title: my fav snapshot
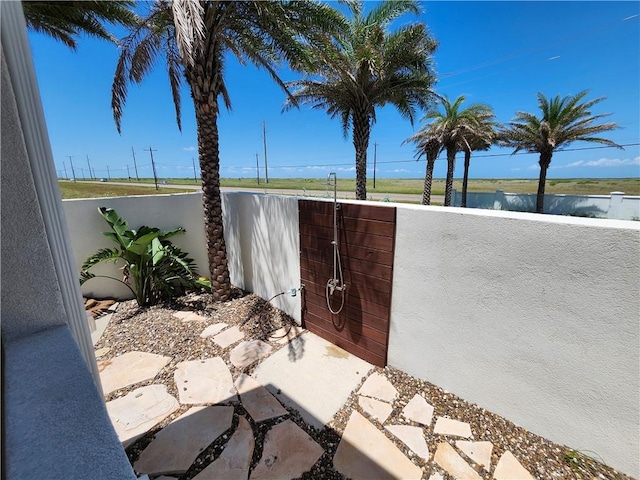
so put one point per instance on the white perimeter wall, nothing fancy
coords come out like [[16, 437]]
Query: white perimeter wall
[[533, 317], [263, 246], [163, 211]]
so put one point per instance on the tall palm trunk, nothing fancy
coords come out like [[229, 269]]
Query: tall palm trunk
[[545, 161], [451, 163], [432, 155], [465, 178], [361, 132], [204, 90]]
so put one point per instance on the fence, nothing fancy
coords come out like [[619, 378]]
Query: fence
[[616, 205], [532, 317]]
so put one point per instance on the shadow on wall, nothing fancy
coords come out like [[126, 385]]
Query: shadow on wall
[[262, 245]]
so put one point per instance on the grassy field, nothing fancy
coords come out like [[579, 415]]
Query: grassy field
[[603, 186], [94, 190], [597, 186]]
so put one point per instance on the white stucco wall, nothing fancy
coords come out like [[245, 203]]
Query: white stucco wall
[[533, 317], [263, 246], [163, 211]]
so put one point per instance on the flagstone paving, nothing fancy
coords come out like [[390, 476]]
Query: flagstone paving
[[228, 337], [448, 426], [235, 460], [412, 437], [257, 400], [418, 410], [249, 352], [128, 369], [288, 453], [363, 451], [508, 468], [213, 329], [375, 408], [189, 316], [178, 444], [139, 411], [377, 386], [204, 381]]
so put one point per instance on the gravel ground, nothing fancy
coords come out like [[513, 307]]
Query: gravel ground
[[155, 330]]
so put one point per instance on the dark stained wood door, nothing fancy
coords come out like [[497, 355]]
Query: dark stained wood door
[[366, 237]]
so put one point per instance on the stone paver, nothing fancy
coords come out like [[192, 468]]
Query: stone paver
[[248, 353], [257, 400], [509, 468], [418, 410], [447, 426], [288, 453], [412, 437], [479, 452], [377, 386], [213, 329], [234, 462], [228, 337], [204, 381], [178, 444], [365, 453], [128, 369], [376, 408], [140, 410], [102, 351], [189, 316], [436, 476], [453, 463], [286, 334]]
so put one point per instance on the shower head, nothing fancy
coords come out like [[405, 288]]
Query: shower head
[[330, 180]]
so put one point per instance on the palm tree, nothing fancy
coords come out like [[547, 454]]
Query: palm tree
[[480, 137], [428, 143], [368, 66], [455, 127], [194, 37], [563, 121], [66, 21]]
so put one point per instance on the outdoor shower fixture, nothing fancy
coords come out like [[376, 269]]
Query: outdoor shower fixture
[[335, 284]]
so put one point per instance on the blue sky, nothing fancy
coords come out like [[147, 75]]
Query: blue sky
[[499, 53]]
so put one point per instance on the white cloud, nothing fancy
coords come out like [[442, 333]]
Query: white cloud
[[189, 149], [401, 170], [603, 162]]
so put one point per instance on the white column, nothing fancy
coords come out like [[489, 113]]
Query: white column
[[15, 46]]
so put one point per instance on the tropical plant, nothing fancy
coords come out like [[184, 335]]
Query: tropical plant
[[194, 38], [154, 268], [429, 144], [456, 129], [563, 121], [480, 137], [369, 66], [66, 21]]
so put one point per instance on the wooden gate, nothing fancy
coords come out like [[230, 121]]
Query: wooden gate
[[366, 239]]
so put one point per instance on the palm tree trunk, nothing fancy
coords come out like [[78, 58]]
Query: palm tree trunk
[[361, 132], [465, 178], [428, 180], [545, 161], [451, 163]]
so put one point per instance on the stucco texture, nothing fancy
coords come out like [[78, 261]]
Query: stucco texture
[[532, 317]]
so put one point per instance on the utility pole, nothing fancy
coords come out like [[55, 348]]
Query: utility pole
[[264, 141], [128, 173], [90, 172], [73, 172], [153, 164], [195, 179], [65, 170], [134, 163], [108, 172], [82, 172], [375, 155], [257, 169]]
